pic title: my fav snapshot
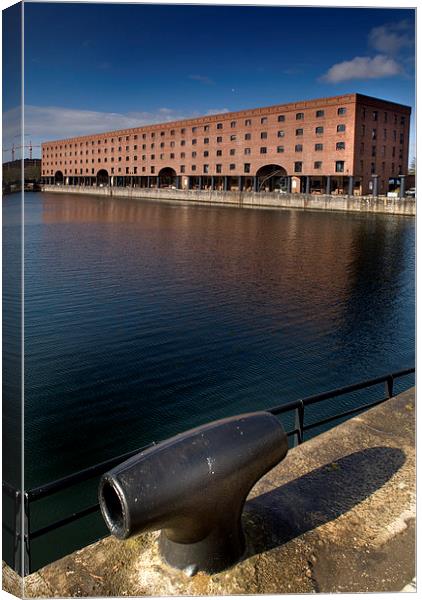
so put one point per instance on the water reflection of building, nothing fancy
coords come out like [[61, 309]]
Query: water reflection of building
[[349, 144]]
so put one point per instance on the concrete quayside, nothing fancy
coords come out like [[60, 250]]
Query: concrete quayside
[[337, 515], [366, 204]]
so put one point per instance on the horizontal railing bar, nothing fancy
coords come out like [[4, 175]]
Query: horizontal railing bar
[[73, 517], [344, 414], [339, 391], [9, 489], [60, 484]]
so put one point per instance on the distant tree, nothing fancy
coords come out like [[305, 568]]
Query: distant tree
[[412, 167]]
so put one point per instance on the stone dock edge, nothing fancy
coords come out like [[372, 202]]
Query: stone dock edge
[[362, 204]]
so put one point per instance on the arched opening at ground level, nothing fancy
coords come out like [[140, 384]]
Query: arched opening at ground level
[[58, 177], [271, 178], [102, 178], [167, 178]]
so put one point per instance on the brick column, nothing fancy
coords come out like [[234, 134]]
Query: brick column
[[375, 185], [240, 185], [226, 183], [212, 182], [307, 185]]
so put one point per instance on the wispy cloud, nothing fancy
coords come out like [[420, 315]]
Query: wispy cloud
[[363, 67], [391, 38], [202, 79], [43, 123]]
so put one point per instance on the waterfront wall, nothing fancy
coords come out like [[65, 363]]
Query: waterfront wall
[[396, 206]]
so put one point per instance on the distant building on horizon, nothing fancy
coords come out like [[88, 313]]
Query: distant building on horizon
[[348, 144]]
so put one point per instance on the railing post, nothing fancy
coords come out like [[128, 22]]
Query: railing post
[[299, 418], [17, 549], [26, 536], [389, 382]]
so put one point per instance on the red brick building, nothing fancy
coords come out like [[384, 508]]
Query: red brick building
[[349, 144]]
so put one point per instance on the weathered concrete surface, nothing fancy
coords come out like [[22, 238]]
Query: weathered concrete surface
[[337, 515], [367, 204]]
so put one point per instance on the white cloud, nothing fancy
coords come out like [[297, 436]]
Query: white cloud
[[202, 79], [363, 67], [392, 37]]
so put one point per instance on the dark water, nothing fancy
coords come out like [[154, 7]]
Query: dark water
[[143, 319]]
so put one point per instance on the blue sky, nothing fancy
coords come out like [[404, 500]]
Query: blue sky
[[94, 67]]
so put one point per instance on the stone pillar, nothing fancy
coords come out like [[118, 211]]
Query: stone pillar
[[148, 181], [212, 182], [189, 182], [402, 185], [240, 184], [289, 185], [350, 190], [328, 186], [307, 185], [226, 183], [375, 185], [179, 182], [158, 182], [200, 182], [255, 184]]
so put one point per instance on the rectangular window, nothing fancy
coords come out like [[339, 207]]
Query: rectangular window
[[247, 168], [320, 113], [317, 164], [206, 140], [194, 154], [280, 133], [298, 167], [299, 131], [219, 125], [193, 168], [264, 120], [248, 136], [218, 168], [182, 155], [193, 129], [340, 146], [339, 166], [375, 115], [182, 168], [341, 110], [219, 153], [206, 153], [232, 167], [319, 147], [263, 150], [374, 134], [232, 138], [300, 116], [219, 140], [402, 120], [372, 168], [183, 131], [183, 142], [172, 155], [319, 130], [385, 134], [232, 151], [281, 118], [401, 138], [247, 150], [263, 135], [298, 148], [280, 149], [206, 168], [341, 127], [127, 170], [206, 127], [374, 151], [194, 142], [385, 117], [233, 124], [248, 122]]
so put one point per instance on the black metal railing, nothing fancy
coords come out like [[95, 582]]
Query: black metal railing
[[22, 556]]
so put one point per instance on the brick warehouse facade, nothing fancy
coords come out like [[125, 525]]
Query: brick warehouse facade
[[349, 144]]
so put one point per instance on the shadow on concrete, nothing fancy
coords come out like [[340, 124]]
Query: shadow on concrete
[[318, 497]]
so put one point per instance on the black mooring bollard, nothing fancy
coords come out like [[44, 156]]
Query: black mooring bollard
[[193, 487]]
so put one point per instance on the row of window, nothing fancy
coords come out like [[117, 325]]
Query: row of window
[[375, 114], [374, 134], [247, 136], [172, 156]]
